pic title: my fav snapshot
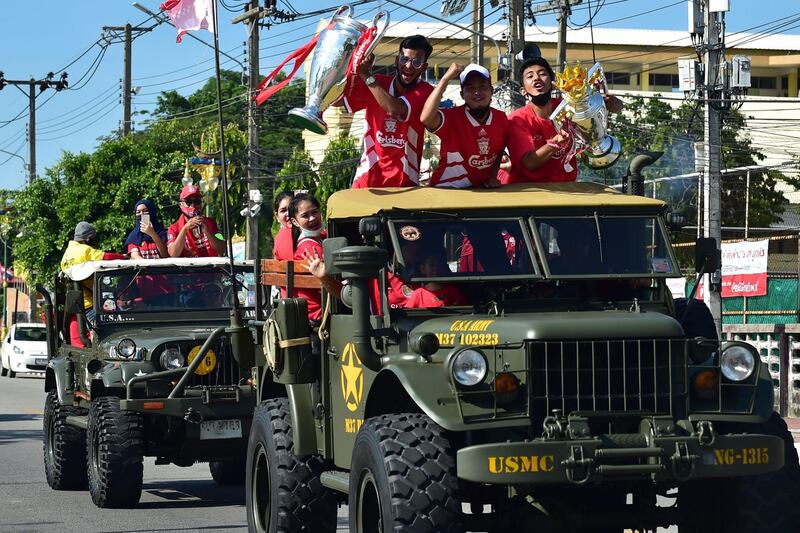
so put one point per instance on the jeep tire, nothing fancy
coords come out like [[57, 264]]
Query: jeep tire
[[114, 440], [228, 472], [750, 504], [284, 492], [402, 477], [64, 446]]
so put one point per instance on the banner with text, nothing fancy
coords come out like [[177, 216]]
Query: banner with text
[[744, 268]]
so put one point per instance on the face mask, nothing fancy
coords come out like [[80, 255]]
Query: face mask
[[190, 211], [311, 233], [479, 114], [539, 99]]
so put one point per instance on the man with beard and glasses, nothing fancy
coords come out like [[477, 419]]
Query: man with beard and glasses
[[394, 135], [538, 152], [194, 235], [473, 135]]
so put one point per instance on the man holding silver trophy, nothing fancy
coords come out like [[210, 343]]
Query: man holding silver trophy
[[538, 151], [394, 135]]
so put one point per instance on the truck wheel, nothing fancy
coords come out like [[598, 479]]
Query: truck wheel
[[11, 373], [3, 369], [115, 447], [64, 446], [284, 492], [402, 477], [228, 472], [751, 504]]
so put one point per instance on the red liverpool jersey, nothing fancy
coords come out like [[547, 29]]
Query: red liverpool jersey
[[392, 144], [470, 150]]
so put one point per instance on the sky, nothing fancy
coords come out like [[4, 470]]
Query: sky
[[69, 36]]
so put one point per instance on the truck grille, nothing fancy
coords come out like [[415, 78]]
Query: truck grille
[[225, 372], [644, 376]]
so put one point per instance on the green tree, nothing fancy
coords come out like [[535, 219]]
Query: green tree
[[338, 167], [653, 125]]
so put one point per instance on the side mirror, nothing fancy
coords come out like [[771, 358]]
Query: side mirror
[[328, 247], [706, 255], [369, 228], [73, 302]]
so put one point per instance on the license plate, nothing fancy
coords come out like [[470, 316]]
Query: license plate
[[220, 429], [40, 361]]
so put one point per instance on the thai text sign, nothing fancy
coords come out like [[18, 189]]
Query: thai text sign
[[744, 268]]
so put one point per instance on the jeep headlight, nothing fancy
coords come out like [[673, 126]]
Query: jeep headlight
[[737, 362], [126, 348], [171, 358], [469, 367]]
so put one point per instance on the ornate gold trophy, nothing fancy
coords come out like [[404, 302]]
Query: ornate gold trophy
[[583, 113], [332, 61]]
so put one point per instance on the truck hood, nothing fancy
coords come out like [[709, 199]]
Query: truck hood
[[612, 324]]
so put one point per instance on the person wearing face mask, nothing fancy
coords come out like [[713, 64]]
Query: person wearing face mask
[[304, 212], [147, 240], [194, 235], [394, 135], [537, 151], [282, 245], [473, 135]]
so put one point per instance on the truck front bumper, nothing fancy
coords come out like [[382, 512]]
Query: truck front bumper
[[671, 458]]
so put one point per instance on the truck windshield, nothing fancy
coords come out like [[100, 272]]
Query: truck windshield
[[154, 290], [604, 245], [30, 334], [463, 249]]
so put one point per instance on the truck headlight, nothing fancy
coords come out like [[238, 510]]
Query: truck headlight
[[126, 348], [737, 362], [18, 350], [171, 358], [469, 367]]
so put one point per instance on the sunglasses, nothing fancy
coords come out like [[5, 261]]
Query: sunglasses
[[415, 61], [193, 201]]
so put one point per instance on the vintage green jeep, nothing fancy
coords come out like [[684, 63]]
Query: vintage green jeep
[[157, 376], [559, 388]]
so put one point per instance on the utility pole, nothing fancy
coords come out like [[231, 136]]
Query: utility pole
[[45, 83], [713, 53], [126, 76], [477, 26], [563, 9], [516, 30], [253, 13]]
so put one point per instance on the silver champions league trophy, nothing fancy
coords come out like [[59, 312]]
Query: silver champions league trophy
[[331, 64], [583, 113]]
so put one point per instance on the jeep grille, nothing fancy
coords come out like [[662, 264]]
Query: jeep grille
[[644, 376], [225, 372]]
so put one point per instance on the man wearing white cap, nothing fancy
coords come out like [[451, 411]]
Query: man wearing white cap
[[473, 135]]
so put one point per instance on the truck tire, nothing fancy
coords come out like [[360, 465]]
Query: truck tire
[[751, 504], [284, 493], [228, 472], [64, 446], [402, 477], [114, 440]]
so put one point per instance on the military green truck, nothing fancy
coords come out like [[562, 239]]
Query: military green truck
[[156, 376], [560, 387]]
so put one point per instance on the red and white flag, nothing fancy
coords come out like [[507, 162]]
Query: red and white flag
[[190, 15]]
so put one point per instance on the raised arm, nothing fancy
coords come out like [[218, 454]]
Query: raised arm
[[391, 104], [430, 111]]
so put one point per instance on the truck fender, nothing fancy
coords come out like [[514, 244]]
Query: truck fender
[[301, 406], [401, 391], [57, 376], [765, 394]]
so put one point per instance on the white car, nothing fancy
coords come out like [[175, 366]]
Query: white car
[[24, 349]]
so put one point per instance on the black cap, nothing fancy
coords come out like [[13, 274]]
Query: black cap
[[542, 62]]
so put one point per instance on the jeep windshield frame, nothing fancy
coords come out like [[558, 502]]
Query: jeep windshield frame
[[467, 246], [602, 246], [145, 294]]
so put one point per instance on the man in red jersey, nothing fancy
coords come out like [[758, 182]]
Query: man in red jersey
[[394, 135], [538, 152], [194, 235], [473, 135]]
